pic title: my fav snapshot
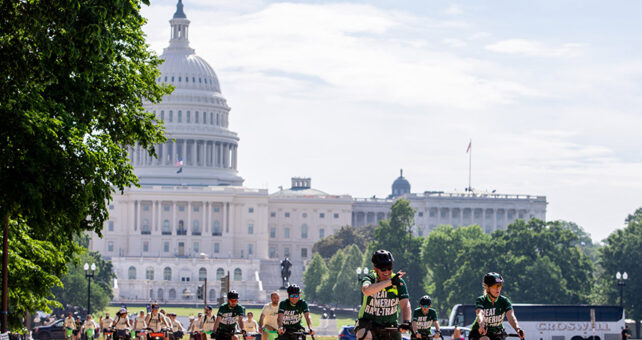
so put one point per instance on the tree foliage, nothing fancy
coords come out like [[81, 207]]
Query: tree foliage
[[342, 238], [74, 284], [325, 290], [622, 253], [75, 75], [313, 275], [527, 254], [35, 267], [347, 282]]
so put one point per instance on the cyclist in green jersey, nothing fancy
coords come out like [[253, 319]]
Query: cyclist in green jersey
[[490, 310], [423, 317], [291, 312], [384, 294], [229, 314]]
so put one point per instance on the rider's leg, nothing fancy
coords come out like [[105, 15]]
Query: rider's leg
[[361, 332]]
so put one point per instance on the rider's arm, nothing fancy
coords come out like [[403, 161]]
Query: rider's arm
[[414, 326], [240, 321], [261, 321], [406, 312], [512, 320], [307, 319], [218, 320], [279, 320], [481, 320], [372, 288], [436, 323]]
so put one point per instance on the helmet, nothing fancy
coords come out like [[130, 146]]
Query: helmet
[[294, 289], [492, 278], [425, 300], [232, 294], [382, 257]]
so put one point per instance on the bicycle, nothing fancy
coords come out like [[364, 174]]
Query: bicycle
[[299, 335], [160, 335], [108, 333], [427, 336]]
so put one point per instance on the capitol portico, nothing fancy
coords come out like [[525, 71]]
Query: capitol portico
[[192, 219]]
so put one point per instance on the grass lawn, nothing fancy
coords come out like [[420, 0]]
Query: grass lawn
[[183, 311]]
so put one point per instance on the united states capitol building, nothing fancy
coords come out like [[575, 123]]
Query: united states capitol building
[[192, 219]]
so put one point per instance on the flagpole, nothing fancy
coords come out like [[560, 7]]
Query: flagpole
[[470, 160]]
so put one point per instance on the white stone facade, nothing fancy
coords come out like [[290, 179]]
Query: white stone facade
[[490, 211]]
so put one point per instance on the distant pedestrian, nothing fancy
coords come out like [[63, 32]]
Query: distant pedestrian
[[626, 334]]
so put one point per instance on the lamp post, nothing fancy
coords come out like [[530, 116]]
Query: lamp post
[[89, 275], [361, 272], [620, 282]]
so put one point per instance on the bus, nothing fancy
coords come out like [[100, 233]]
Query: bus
[[556, 322]]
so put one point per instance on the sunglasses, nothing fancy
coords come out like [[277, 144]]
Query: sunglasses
[[294, 295], [385, 268], [233, 300], [155, 307], [425, 306]]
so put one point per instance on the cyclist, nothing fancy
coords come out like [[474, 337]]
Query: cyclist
[[229, 314], [89, 327], [77, 334], [423, 317], [177, 327], [490, 309], [291, 311], [122, 323], [194, 327], [384, 293], [140, 326], [207, 324], [70, 326], [268, 321], [156, 321], [105, 323]]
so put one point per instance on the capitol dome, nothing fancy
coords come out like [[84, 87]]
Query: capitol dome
[[201, 150], [400, 186]]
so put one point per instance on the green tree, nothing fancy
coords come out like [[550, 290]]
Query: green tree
[[347, 281], [74, 283], [312, 276], [325, 290], [76, 74], [344, 237], [444, 252], [622, 253], [527, 254], [395, 235]]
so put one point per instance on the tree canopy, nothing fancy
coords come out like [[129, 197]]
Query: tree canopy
[[75, 77], [622, 253], [344, 237], [526, 253]]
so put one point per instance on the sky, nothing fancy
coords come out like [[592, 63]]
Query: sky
[[350, 92]]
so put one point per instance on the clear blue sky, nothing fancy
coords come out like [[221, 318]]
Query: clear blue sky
[[349, 92]]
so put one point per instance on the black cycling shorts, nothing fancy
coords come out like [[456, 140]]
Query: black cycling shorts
[[288, 335], [379, 332]]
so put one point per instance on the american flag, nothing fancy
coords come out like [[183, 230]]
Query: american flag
[[179, 162]]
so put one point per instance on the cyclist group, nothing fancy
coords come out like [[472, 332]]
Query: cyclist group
[[385, 294]]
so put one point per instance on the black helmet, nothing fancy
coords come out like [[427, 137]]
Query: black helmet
[[294, 289], [232, 294], [382, 257], [492, 278], [425, 301]]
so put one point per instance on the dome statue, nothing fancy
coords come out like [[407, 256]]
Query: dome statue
[[400, 186]]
